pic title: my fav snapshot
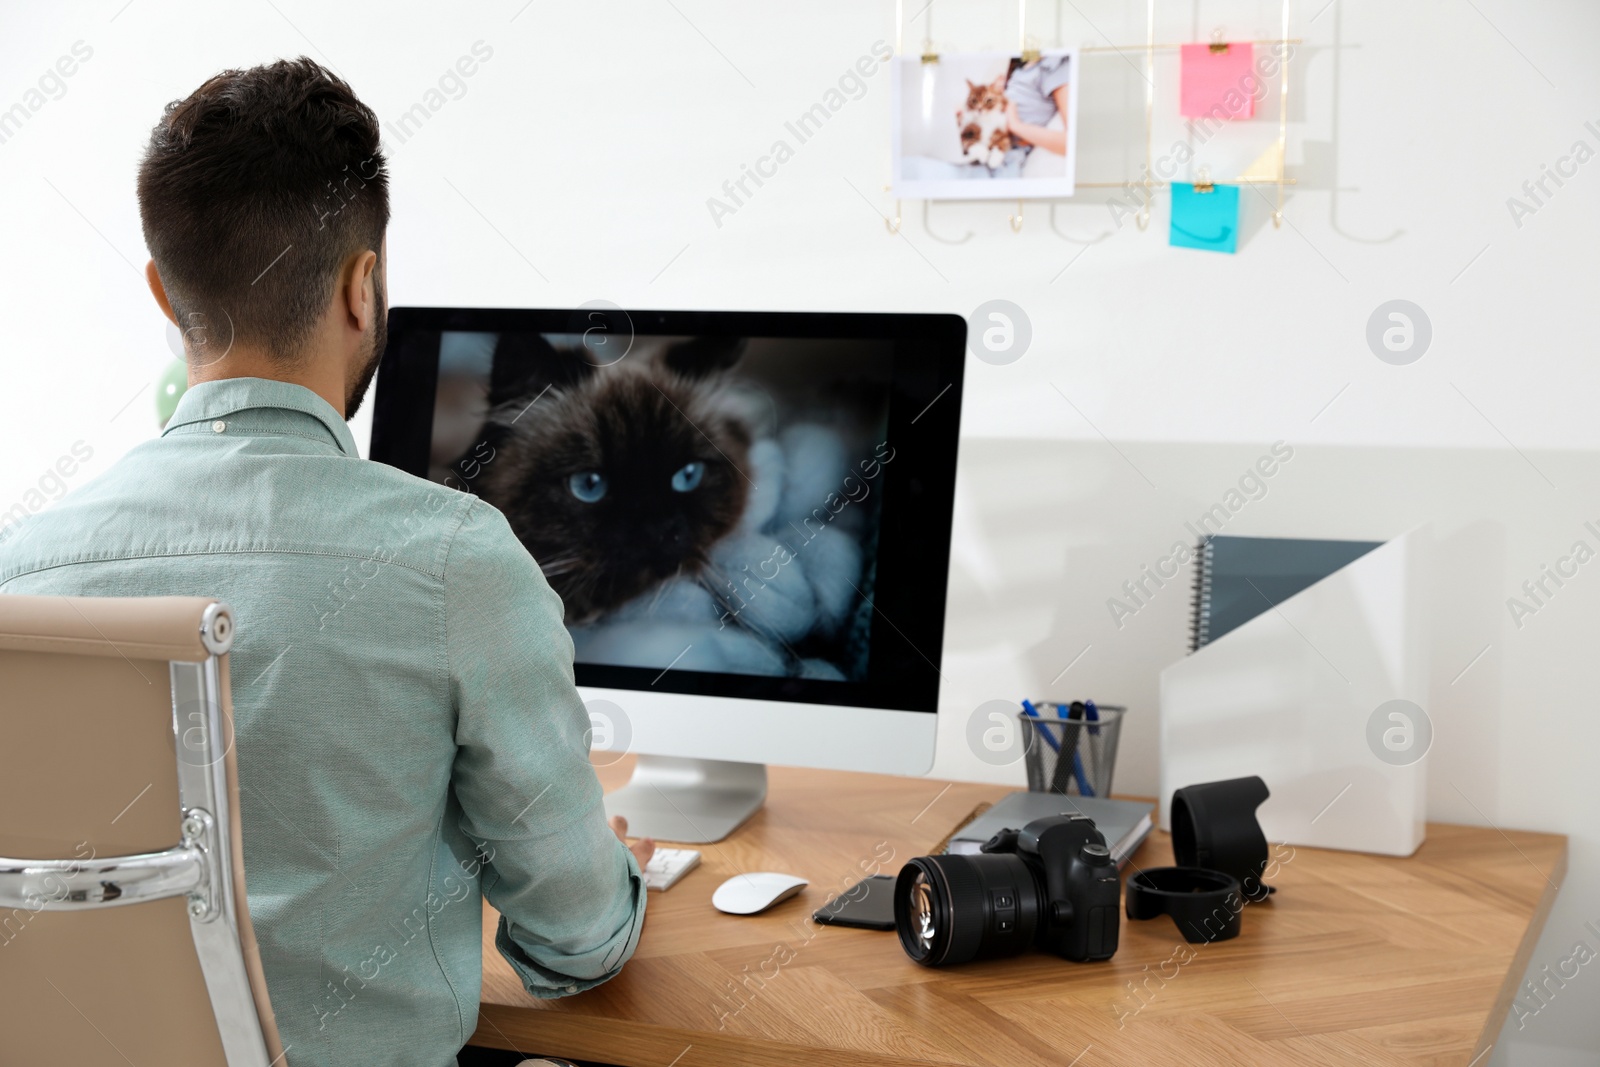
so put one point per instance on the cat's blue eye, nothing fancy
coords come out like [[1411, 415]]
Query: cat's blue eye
[[688, 476], [587, 486]]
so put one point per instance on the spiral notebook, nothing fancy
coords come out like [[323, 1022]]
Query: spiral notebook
[[1238, 578]]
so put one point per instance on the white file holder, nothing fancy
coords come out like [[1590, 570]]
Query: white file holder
[[1291, 695]]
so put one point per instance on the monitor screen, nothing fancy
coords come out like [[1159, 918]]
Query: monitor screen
[[723, 508]]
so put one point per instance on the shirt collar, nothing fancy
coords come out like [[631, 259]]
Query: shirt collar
[[218, 399]]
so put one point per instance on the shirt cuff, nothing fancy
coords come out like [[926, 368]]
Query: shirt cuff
[[582, 971]]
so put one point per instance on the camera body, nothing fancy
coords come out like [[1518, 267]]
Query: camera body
[[1082, 891], [1051, 885]]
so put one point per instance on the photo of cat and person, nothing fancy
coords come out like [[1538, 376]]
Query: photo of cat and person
[[985, 125], [699, 504]]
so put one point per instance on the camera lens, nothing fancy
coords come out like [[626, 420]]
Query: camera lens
[[951, 909]]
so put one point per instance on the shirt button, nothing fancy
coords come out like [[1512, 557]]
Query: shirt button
[[572, 989], [219, 426]]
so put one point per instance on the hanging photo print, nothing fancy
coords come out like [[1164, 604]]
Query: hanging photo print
[[985, 125]]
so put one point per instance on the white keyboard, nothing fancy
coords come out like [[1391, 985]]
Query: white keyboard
[[668, 865]]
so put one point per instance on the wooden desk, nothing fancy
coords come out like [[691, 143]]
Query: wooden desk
[[1357, 959]]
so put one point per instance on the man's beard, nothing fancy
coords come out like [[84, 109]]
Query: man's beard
[[378, 340]]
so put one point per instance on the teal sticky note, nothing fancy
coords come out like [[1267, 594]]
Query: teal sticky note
[[1207, 219]]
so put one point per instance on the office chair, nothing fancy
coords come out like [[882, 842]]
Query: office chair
[[124, 934]]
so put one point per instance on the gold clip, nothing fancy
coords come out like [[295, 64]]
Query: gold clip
[[1204, 184], [1218, 45], [1028, 47], [928, 54]]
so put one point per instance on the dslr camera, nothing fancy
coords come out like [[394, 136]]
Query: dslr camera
[[1051, 884]]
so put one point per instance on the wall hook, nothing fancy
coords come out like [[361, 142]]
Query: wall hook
[[1016, 220], [1075, 240], [928, 226]]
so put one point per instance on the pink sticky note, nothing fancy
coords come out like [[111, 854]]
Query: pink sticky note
[[1219, 84]]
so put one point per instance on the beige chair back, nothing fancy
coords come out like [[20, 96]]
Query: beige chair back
[[124, 933]]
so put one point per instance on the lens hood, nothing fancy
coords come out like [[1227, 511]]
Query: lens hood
[[1207, 905], [1214, 826]]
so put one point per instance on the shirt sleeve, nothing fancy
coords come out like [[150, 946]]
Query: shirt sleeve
[[570, 896], [1054, 72]]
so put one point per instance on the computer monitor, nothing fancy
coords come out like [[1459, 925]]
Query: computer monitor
[[747, 516]]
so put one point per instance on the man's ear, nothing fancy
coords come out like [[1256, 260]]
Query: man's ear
[[159, 291], [359, 292]]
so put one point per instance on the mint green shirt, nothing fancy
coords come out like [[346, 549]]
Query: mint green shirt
[[409, 737]]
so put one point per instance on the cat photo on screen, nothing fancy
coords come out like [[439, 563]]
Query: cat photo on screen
[[700, 504]]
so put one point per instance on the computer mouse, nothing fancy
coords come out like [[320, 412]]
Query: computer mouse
[[747, 894]]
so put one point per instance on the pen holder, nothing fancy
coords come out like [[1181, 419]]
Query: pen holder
[[1065, 754]]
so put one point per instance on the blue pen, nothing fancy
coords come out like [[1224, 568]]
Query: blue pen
[[1033, 713], [1084, 788], [1094, 716]]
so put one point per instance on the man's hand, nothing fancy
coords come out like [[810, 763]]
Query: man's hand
[[642, 849]]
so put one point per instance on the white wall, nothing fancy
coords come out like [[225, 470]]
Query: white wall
[[578, 165]]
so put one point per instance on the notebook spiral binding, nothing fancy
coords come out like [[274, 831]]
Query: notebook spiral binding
[[1200, 615]]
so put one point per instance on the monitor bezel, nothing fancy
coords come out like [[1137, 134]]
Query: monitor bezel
[[918, 484]]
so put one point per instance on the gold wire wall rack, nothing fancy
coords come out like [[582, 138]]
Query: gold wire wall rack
[[1147, 183]]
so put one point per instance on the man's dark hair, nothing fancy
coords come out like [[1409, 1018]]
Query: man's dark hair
[[253, 191]]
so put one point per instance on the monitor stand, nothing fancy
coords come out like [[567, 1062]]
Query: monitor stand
[[689, 801]]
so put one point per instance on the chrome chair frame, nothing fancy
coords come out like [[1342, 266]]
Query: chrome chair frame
[[199, 866]]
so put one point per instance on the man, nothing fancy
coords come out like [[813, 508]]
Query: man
[[408, 733]]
